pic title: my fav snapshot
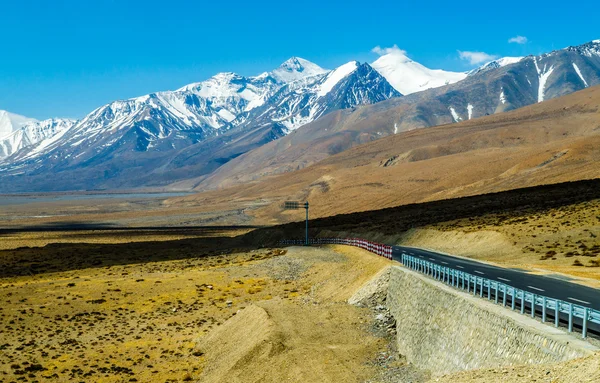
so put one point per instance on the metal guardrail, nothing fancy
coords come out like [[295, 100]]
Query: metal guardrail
[[503, 292], [374, 247]]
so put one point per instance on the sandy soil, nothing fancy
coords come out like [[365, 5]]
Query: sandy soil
[[577, 370]]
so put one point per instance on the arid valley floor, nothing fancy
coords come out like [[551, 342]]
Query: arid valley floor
[[89, 294]]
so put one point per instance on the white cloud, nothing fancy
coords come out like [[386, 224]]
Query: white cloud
[[475, 58], [384, 51], [518, 40]]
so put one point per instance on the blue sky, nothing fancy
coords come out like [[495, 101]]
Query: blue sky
[[66, 58]]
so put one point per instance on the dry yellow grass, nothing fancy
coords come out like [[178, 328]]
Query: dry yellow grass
[[131, 318], [16, 239]]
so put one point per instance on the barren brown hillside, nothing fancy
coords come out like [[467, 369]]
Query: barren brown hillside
[[550, 142]]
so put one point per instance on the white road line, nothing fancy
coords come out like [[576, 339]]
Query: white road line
[[504, 279], [579, 300], [420, 256], [460, 267], [445, 263], [479, 272], [431, 259], [535, 288]]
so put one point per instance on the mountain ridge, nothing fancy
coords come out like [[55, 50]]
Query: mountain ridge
[[153, 134], [187, 134], [511, 86]]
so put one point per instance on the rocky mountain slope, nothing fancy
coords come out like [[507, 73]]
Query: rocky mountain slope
[[496, 87], [550, 142]]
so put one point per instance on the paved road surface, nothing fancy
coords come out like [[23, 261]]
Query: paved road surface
[[544, 285]]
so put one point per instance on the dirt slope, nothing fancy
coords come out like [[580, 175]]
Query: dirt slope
[[315, 337]]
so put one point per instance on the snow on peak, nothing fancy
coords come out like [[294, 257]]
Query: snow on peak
[[408, 76], [296, 68], [10, 122], [335, 76], [32, 133], [219, 80], [504, 61]]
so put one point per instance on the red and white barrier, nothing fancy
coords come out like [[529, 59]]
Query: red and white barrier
[[374, 247]]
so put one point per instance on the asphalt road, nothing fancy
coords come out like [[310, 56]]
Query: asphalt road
[[558, 288]]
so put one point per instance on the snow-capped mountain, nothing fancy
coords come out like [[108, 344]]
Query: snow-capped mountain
[[408, 76], [499, 88], [302, 101], [510, 83], [219, 118], [188, 133], [170, 120], [9, 122], [495, 64], [31, 133], [294, 69]]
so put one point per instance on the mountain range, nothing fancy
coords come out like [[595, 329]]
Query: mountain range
[[544, 143], [221, 130], [497, 87]]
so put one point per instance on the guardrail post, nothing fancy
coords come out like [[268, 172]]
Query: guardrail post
[[489, 290], [468, 283], [570, 317], [543, 309], [513, 299], [557, 313], [496, 293], [481, 291], [533, 305], [585, 320], [523, 302]]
